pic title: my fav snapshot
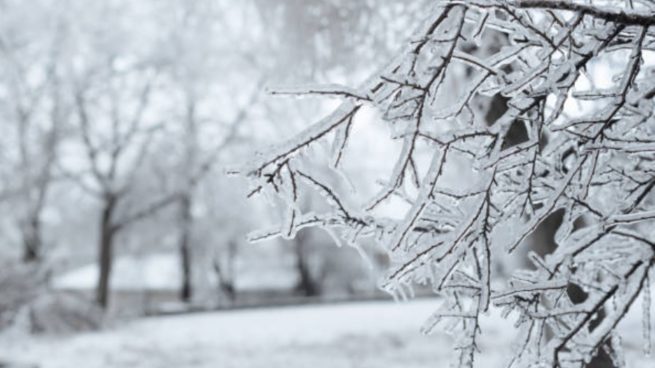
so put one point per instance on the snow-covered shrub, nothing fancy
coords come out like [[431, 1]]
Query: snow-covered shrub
[[20, 284], [577, 78], [62, 313], [29, 305]]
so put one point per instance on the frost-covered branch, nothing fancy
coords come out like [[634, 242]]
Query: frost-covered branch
[[504, 119]]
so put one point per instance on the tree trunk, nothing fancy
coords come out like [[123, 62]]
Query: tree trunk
[[35, 196], [105, 257], [186, 291], [32, 240], [186, 201], [225, 276], [228, 283], [307, 286]]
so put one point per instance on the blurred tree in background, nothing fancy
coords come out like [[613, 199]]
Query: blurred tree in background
[[120, 117]]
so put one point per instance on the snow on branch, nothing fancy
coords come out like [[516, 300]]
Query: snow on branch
[[608, 13], [504, 120]]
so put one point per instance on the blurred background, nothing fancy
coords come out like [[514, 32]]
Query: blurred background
[[119, 120]]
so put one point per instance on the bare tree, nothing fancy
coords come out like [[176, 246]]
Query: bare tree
[[114, 158], [197, 67], [472, 193], [37, 115], [195, 165]]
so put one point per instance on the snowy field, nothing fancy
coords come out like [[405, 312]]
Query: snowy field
[[360, 335]]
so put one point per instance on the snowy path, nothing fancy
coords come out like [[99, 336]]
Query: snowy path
[[362, 335]]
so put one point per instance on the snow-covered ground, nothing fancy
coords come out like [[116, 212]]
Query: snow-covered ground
[[161, 271], [358, 335]]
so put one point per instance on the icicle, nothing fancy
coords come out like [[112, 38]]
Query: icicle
[[367, 259], [617, 353], [646, 317], [340, 143], [334, 236], [289, 226], [566, 227]]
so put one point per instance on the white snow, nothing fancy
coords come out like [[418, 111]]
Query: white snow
[[271, 278], [362, 335], [152, 272], [162, 272], [354, 335]]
